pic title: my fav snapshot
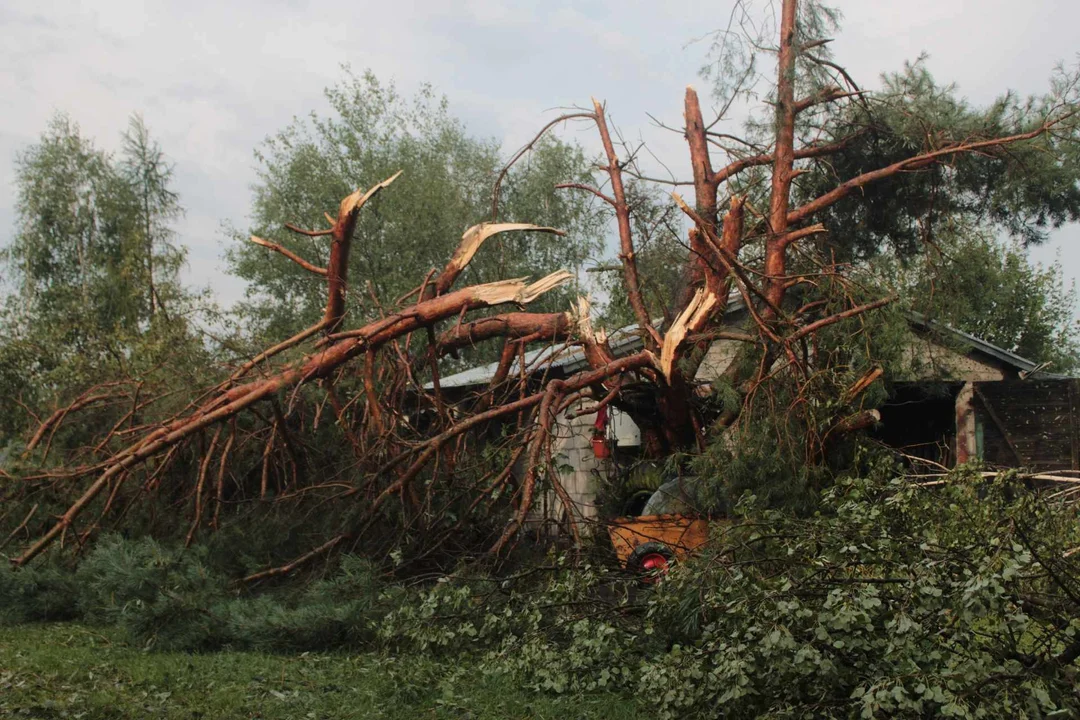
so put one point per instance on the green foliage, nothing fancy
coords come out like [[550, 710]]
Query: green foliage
[[72, 256], [907, 601], [341, 611], [757, 462], [565, 632], [306, 169], [93, 233], [940, 213], [160, 596], [91, 247], [991, 290], [789, 441], [891, 600], [1024, 189], [168, 598], [45, 592], [149, 175], [74, 671]]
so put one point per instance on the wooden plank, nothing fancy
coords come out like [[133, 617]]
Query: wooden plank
[[1035, 422], [1000, 425]]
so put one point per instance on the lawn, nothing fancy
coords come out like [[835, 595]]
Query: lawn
[[74, 671]]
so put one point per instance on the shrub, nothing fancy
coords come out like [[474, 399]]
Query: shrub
[[341, 611], [892, 600], [44, 592], [904, 601], [161, 596], [170, 598]]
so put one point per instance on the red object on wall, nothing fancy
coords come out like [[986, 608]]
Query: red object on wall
[[600, 447]]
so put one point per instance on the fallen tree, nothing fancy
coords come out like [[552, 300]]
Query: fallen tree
[[768, 248]]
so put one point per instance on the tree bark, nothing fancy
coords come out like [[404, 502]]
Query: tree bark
[[783, 162]]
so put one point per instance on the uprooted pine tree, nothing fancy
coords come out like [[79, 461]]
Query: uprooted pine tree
[[777, 224]]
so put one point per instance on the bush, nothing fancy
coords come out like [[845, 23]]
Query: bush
[[892, 600], [903, 602], [339, 612], [46, 592], [170, 598], [161, 596], [559, 627]]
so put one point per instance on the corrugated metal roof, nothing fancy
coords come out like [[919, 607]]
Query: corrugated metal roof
[[1022, 364], [627, 341]]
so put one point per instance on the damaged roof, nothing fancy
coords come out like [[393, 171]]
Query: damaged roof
[[569, 359]]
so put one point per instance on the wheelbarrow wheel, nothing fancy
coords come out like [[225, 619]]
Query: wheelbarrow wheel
[[650, 561]]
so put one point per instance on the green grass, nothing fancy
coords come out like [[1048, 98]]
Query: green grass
[[73, 671]]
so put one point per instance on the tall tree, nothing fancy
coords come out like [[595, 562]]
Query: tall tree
[[445, 187], [150, 175], [825, 177], [93, 248], [91, 261], [991, 289], [71, 253]]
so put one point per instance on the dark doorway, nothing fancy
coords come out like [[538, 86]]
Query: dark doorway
[[919, 419]]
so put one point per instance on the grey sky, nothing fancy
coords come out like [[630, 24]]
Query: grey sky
[[213, 79]]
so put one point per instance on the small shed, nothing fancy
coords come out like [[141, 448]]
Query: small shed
[[962, 398]]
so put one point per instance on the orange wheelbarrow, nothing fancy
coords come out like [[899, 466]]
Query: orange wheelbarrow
[[647, 545]]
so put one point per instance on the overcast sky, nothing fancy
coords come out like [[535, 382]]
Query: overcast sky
[[213, 78]]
